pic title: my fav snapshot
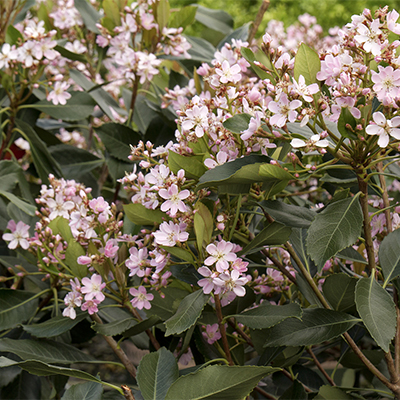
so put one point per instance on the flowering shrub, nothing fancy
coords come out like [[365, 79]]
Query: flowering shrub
[[254, 233]]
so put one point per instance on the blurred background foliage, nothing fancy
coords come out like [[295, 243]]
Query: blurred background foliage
[[329, 13]]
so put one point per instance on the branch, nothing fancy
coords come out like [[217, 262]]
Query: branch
[[263, 8], [221, 325], [320, 367], [117, 350]]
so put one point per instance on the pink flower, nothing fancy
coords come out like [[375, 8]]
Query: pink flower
[[197, 118], [208, 282], [220, 254], [212, 333], [84, 260], [93, 287], [59, 94], [170, 233], [99, 205], [141, 298], [111, 248], [369, 37], [18, 236], [303, 90], [59, 207], [91, 306], [232, 282], [71, 300], [174, 199], [383, 128], [137, 261], [315, 140], [283, 110], [229, 73], [387, 83], [221, 158], [254, 124]]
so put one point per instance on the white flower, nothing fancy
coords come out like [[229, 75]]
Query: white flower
[[18, 236], [170, 233], [59, 94], [197, 118], [315, 140], [303, 90], [59, 207], [383, 128]]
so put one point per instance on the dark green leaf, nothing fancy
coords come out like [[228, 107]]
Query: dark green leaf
[[79, 106], [75, 250], [84, 391], [339, 289], [193, 167], [287, 214], [156, 373], [104, 99], [306, 63], [44, 162], [377, 310], [217, 20], [316, 326], [117, 138], [70, 55], [89, 15], [42, 369], [346, 118], [74, 161], [237, 123], [335, 228], [273, 234], [142, 326], [13, 35], [267, 315], [389, 256], [270, 172], [183, 18], [351, 359], [332, 393], [250, 57], [21, 204], [242, 170], [185, 273], [188, 312], [201, 50], [165, 307], [351, 254], [241, 33], [45, 350], [16, 306], [54, 327], [294, 392], [180, 253], [114, 328], [140, 215], [143, 114], [218, 382]]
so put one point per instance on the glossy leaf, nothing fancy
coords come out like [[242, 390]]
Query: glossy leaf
[[89, 15], [294, 392], [166, 306], [117, 138], [188, 312], [45, 350], [84, 391], [218, 382], [162, 14], [11, 175], [201, 49], [241, 33], [317, 325], [21, 204], [186, 273], [377, 310], [16, 306], [79, 106], [332, 393], [140, 215], [345, 119], [114, 328], [203, 225], [237, 123], [306, 63], [43, 369], [157, 371], [273, 234], [75, 250], [54, 326], [193, 167], [74, 161], [142, 326], [339, 289], [250, 57], [242, 170], [335, 228], [217, 20], [389, 256], [44, 162], [287, 214], [180, 253], [267, 315], [183, 18], [70, 55], [270, 172]]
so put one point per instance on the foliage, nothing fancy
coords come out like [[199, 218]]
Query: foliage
[[226, 204]]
